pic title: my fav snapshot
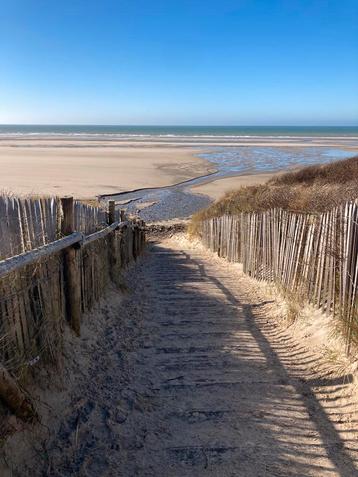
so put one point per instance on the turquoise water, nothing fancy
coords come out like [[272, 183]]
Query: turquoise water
[[180, 131]]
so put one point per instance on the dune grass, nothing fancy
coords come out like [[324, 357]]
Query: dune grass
[[311, 189]]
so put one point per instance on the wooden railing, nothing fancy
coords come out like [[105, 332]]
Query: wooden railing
[[313, 256], [30, 222], [43, 288]]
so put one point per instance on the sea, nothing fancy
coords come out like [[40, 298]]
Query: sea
[[179, 131]]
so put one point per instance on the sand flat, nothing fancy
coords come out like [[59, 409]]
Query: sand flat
[[216, 189], [89, 167], [81, 171]]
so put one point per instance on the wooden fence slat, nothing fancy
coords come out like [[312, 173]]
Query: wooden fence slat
[[315, 255], [34, 264]]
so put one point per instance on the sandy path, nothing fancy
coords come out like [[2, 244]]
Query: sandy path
[[193, 379]]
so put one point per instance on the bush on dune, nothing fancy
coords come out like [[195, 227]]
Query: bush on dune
[[311, 189]]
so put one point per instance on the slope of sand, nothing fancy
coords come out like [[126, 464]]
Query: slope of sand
[[218, 188], [68, 169], [199, 375]]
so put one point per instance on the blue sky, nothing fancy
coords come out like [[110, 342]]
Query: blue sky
[[179, 62]]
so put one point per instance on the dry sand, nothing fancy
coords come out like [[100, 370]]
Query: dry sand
[[87, 168], [192, 374], [81, 171], [218, 188], [90, 168]]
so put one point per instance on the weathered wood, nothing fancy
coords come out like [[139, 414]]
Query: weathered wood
[[313, 255], [15, 398], [71, 269], [111, 212], [102, 233], [17, 262], [46, 275], [112, 243], [88, 219]]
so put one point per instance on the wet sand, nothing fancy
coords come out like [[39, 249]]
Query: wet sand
[[171, 177], [180, 201]]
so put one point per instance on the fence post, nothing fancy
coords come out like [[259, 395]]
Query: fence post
[[71, 268], [142, 223], [112, 247], [111, 212], [135, 236], [12, 394]]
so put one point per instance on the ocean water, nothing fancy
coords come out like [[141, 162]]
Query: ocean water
[[180, 131]]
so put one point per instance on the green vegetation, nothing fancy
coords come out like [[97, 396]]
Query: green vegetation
[[311, 189]]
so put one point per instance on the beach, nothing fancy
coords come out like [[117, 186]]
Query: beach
[[64, 168], [157, 176], [216, 189]]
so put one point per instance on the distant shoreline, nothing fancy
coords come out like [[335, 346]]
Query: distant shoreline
[[177, 131], [88, 169]]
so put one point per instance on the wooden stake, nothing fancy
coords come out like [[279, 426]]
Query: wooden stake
[[15, 398], [111, 212], [71, 269], [112, 249]]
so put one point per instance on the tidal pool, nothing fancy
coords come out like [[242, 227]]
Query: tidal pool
[[178, 201]]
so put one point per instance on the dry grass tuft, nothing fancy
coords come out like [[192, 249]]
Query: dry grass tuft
[[91, 202], [312, 189], [339, 172]]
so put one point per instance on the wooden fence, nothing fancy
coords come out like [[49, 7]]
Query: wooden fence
[[56, 260], [314, 256], [28, 223]]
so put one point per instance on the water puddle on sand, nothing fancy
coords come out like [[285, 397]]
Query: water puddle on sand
[[178, 201]]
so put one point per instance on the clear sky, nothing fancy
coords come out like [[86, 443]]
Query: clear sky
[[179, 62]]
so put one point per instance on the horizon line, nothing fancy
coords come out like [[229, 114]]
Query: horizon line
[[184, 125]]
